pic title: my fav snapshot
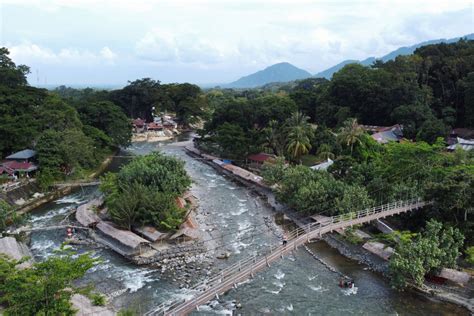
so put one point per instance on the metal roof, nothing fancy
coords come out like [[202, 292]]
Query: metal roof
[[23, 154]]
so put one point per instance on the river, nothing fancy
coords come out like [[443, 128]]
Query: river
[[297, 284]]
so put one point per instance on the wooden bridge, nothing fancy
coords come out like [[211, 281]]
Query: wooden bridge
[[247, 267]]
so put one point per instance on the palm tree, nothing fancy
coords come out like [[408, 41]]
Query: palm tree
[[274, 138], [325, 152], [351, 133], [299, 134]]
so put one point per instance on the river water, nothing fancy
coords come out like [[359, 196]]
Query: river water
[[297, 284]]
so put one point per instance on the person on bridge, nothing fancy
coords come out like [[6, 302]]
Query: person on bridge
[[285, 239]]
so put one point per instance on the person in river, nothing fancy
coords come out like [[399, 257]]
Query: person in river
[[346, 283]]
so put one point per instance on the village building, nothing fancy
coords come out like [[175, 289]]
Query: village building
[[461, 143], [257, 160], [154, 126], [21, 163], [383, 135], [150, 233], [324, 165], [122, 241], [138, 125], [26, 155]]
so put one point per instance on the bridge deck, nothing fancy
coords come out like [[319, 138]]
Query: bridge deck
[[246, 268]]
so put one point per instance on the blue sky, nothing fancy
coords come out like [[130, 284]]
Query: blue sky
[[212, 41]]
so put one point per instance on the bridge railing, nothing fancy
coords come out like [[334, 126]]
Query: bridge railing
[[224, 274]]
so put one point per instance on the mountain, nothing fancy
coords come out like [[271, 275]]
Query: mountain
[[392, 55], [281, 72]]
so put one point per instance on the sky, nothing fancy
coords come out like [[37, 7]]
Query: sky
[[109, 42]]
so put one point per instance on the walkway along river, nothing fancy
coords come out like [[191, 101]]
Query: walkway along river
[[297, 284]]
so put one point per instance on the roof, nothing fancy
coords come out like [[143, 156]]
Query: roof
[[15, 250], [455, 276], [138, 122], [125, 237], [190, 221], [180, 202], [261, 157], [465, 144], [242, 173], [85, 213], [386, 136], [6, 170], [19, 166], [149, 233], [154, 125], [186, 232], [23, 154], [463, 132], [323, 166]]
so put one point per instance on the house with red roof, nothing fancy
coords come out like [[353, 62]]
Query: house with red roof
[[19, 164]]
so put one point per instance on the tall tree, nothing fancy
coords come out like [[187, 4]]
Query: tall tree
[[351, 133]]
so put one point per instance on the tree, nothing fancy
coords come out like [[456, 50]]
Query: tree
[[299, 135], [11, 75], [145, 192], [436, 247], [109, 118], [274, 138], [351, 133], [232, 141], [64, 151], [45, 288]]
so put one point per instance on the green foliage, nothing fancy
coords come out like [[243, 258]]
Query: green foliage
[[435, 248], [312, 192], [51, 122], [98, 299], [5, 215], [163, 173], [139, 97], [470, 255], [108, 118], [298, 135], [274, 172], [145, 192], [42, 289], [64, 150]]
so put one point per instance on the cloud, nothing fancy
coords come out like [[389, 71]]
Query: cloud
[[162, 46], [32, 53]]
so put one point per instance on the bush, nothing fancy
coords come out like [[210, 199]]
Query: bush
[[98, 299], [145, 192]]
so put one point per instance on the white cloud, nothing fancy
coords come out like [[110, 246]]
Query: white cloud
[[162, 46], [32, 53]]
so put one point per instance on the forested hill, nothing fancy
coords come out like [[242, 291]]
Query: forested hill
[[281, 72], [407, 50]]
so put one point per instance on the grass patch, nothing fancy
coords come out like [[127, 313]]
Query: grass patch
[[310, 160]]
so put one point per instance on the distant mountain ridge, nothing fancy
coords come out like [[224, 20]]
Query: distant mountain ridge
[[406, 50], [281, 72], [286, 72]]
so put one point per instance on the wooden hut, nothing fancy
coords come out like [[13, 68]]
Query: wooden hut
[[185, 234], [149, 233], [123, 241], [454, 276]]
